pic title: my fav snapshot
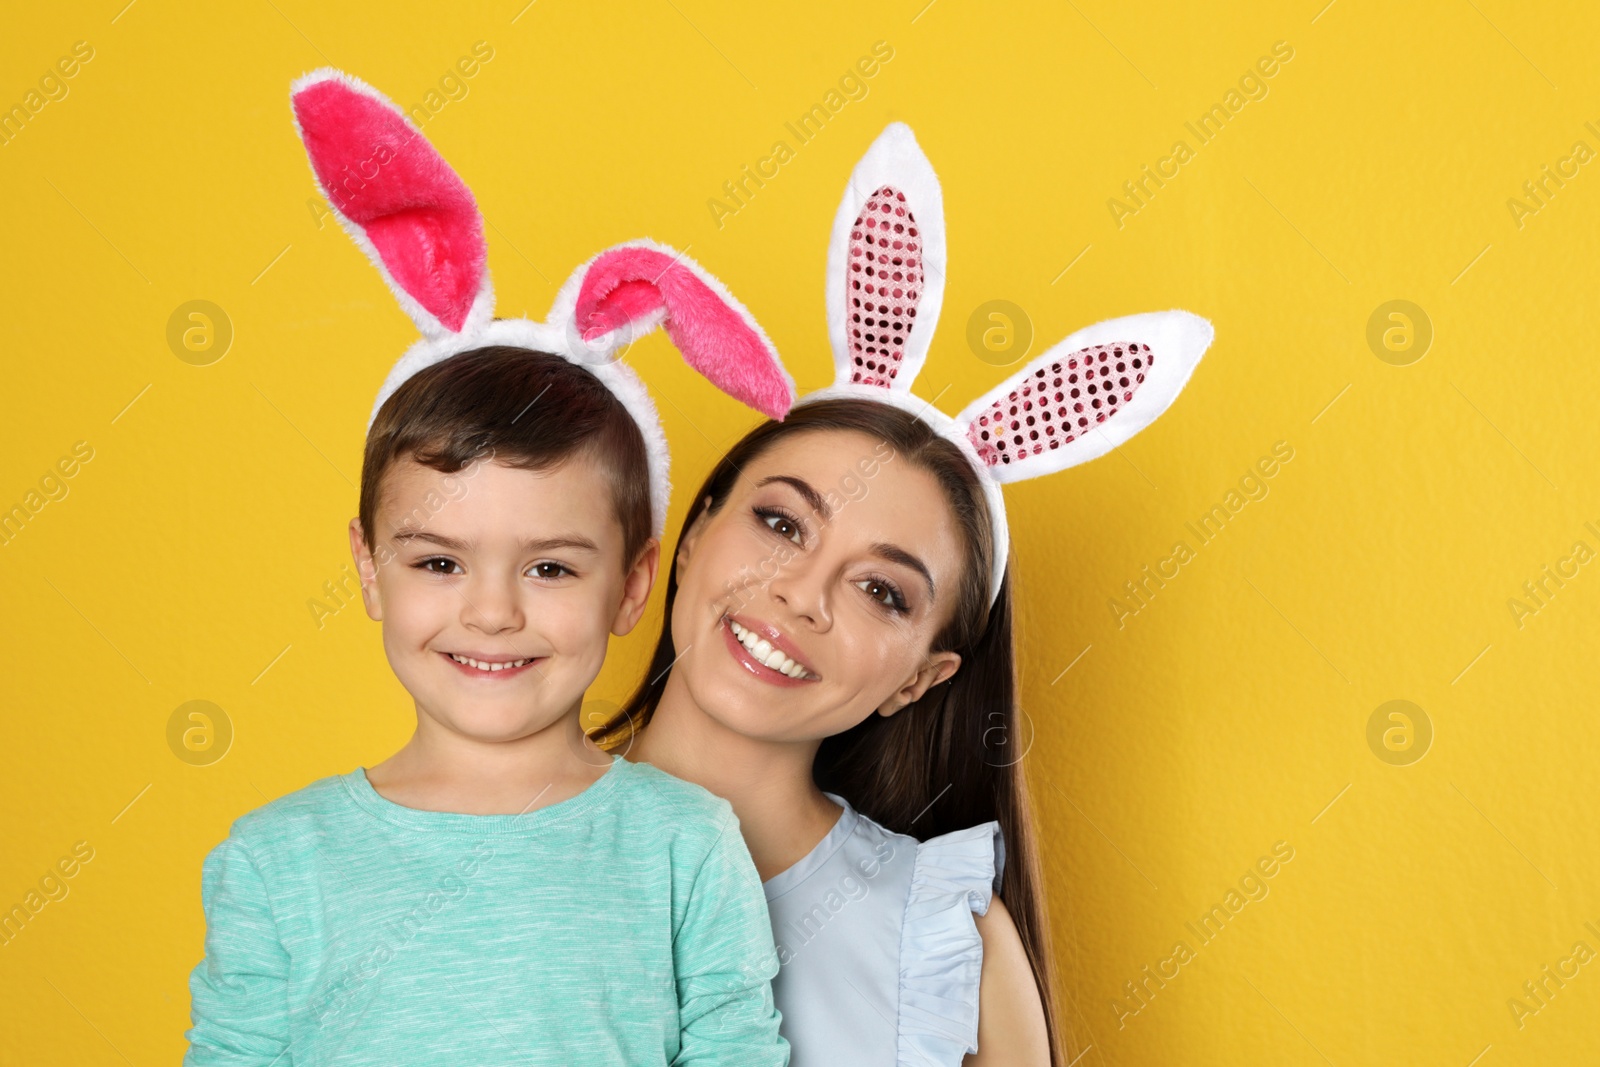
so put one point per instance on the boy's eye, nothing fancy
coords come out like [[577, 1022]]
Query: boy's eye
[[548, 569], [428, 565]]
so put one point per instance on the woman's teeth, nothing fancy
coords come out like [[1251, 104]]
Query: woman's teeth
[[480, 665], [762, 652]]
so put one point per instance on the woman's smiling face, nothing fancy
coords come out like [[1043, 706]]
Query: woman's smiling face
[[811, 598]]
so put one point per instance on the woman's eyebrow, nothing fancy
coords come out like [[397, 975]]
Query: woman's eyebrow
[[803, 487], [896, 554]]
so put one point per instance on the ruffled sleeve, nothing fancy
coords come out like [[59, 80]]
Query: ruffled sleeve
[[941, 952]]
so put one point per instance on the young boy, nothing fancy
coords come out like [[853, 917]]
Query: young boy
[[499, 891]]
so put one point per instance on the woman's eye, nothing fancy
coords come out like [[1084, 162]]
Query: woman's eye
[[428, 565], [883, 593], [549, 570], [783, 527]]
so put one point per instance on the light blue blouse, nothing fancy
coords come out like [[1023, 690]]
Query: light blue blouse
[[879, 956]]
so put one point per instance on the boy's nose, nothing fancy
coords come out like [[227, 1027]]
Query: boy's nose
[[491, 607]]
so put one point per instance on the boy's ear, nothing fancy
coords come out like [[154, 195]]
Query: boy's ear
[[367, 569], [636, 586], [692, 534], [937, 668]]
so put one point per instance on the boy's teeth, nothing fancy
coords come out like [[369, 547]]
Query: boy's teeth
[[480, 665], [762, 652]]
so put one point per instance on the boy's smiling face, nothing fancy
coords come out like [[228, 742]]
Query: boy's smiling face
[[519, 570]]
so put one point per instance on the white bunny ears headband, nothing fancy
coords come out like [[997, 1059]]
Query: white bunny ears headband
[[1083, 397], [416, 220]]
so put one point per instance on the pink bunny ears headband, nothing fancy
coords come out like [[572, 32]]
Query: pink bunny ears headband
[[416, 220], [1083, 397]]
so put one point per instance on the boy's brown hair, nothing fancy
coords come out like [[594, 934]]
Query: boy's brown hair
[[526, 409]]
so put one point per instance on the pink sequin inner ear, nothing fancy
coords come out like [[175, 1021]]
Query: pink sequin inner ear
[[1059, 402], [885, 283]]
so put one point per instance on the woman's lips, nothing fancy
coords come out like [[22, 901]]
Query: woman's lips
[[751, 664]]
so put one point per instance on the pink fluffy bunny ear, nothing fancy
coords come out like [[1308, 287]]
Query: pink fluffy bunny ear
[[627, 291], [1086, 395], [886, 264], [398, 199]]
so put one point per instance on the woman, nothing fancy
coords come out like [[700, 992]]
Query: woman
[[837, 657], [856, 542]]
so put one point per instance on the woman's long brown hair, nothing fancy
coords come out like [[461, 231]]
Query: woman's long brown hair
[[952, 759]]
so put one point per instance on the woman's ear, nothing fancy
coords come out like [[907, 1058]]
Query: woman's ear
[[937, 668], [692, 534], [367, 569]]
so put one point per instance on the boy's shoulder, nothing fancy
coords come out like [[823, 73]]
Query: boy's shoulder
[[667, 800], [287, 818]]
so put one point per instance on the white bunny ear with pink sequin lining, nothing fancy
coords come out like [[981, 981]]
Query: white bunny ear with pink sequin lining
[[886, 265], [885, 285], [1086, 395]]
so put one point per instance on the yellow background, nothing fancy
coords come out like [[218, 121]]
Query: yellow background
[[1228, 714]]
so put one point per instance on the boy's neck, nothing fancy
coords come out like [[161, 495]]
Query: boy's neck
[[782, 813], [440, 770]]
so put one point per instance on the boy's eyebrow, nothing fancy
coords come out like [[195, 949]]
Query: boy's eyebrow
[[883, 549], [538, 544]]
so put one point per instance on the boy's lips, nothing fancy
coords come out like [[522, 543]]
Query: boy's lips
[[493, 666], [774, 639]]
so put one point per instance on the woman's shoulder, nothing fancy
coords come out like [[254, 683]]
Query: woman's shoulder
[[955, 877], [949, 881]]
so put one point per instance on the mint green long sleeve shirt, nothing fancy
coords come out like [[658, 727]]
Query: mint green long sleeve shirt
[[624, 925]]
